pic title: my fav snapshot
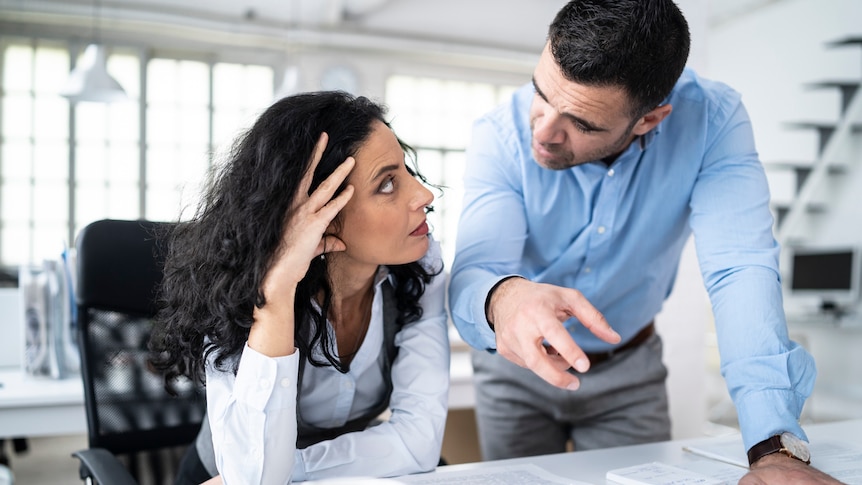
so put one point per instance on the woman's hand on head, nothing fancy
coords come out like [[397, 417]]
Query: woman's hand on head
[[304, 237]]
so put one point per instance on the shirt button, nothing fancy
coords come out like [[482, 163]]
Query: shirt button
[[611, 173], [601, 229], [285, 382], [255, 453], [263, 383], [587, 269]]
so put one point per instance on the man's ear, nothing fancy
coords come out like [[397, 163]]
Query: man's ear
[[651, 119]]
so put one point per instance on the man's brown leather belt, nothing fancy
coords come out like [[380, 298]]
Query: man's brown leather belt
[[641, 337]]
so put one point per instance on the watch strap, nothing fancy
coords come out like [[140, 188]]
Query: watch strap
[[766, 447], [769, 446]]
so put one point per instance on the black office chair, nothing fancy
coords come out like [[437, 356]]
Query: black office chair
[[137, 431]]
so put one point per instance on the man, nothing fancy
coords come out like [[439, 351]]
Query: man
[[580, 193]]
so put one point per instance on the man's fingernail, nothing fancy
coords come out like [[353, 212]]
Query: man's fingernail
[[574, 386], [582, 365]]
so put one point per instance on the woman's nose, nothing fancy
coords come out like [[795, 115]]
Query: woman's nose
[[422, 197]]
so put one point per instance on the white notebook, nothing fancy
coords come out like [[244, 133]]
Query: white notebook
[[657, 473]]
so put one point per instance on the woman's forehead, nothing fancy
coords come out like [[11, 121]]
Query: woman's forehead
[[380, 152]]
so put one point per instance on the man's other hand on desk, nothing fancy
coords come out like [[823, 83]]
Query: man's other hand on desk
[[780, 469], [525, 315]]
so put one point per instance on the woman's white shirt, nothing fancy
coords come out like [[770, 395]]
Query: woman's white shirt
[[253, 414]]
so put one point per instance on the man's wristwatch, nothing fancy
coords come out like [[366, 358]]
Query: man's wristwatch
[[786, 443]]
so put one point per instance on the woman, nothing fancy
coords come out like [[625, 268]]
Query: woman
[[307, 291]]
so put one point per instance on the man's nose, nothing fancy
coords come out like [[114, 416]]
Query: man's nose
[[547, 129]]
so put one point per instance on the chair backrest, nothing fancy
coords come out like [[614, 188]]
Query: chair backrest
[[119, 269]]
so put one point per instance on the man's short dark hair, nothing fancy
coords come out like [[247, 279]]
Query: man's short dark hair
[[639, 45]]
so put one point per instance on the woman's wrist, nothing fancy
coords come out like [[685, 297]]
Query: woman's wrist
[[271, 334]]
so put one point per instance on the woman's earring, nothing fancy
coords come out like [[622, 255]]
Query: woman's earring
[[322, 256]]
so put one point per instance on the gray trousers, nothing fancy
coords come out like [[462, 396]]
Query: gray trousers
[[621, 401]]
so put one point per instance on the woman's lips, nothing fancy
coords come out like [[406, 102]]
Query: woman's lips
[[421, 230]]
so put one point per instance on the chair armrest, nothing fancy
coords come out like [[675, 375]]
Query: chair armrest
[[103, 467]]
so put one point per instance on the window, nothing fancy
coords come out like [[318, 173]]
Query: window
[[435, 117], [106, 157], [65, 166], [187, 123], [178, 133], [34, 123]]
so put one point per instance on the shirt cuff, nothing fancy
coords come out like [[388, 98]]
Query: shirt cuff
[[299, 474], [264, 383], [766, 413]]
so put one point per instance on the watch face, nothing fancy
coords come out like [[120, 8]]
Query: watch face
[[796, 446]]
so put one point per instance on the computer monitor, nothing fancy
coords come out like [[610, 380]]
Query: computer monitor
[[826, 277]]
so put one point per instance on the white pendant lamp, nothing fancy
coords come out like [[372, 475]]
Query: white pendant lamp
[[90, 81]]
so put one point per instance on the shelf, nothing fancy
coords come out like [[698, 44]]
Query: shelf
[[848, 90], [852, 40]]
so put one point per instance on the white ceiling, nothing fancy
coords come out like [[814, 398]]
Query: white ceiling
[[517, 25], [509, 24]]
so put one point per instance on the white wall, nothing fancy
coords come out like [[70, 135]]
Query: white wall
[[769, 54], [683, 324], [685, 317]]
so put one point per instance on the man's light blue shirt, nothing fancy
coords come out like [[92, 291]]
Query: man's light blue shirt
[[616, 234]]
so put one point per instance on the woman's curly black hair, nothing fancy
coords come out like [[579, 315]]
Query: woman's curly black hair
[[216, 261]]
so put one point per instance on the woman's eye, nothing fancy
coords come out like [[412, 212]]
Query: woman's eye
[[388, 186]]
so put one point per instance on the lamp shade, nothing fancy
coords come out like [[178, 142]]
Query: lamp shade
[[90, 81]]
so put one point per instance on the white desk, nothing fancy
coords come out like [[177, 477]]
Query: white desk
[[591, 466], [31, 406]]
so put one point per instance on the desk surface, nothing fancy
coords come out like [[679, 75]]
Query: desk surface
[[34, 406], [591, 466]]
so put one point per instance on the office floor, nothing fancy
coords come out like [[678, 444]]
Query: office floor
[[48, 461]]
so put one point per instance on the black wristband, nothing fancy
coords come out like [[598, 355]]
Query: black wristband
[[490, 293]]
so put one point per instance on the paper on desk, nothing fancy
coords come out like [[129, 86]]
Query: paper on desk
[[352, 481], [506, 475], [728, 449], [839, 459], [724, 472], [657, 473]]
